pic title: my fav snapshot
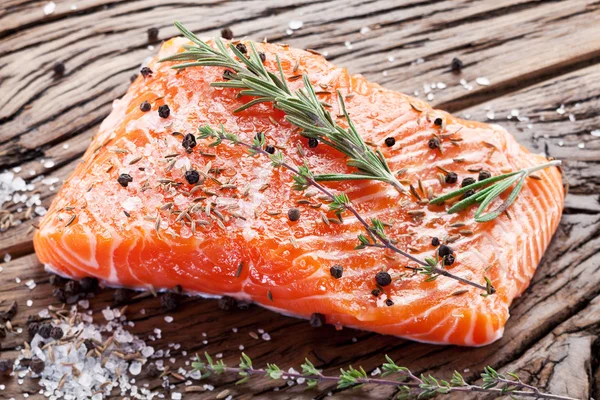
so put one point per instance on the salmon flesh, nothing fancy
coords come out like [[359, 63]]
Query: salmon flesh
[[230, 234]]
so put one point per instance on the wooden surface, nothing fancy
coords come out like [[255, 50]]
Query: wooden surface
[[537, 55]]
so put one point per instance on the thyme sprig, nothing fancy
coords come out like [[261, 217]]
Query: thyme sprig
[[302, 107], [497, 185], [375, 231], [407, 384]]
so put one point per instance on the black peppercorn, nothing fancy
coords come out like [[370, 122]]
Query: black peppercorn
[[153, 371], [226, 303], [434, 143], [336, 271], [389, 302], [124, 179], [270, 149], [170, 301], [313, 142], [146, 72], [60, 295], [44, 330], [435, 242], [228, 75], [383, 278], [6, 366], [390, 141], [456, 65], [56, 333], [189, 142], [120, 296], [444, 250], [262, 56], [10, 312], [192, 177], [56, 280], [37, 366], [438, 121], [259, 136], [145, 106], [164, 111], [468, 193], [376, 292], [89, 345], [451, 177], [152, 34], [294, 214], [227, 33], [449, 260], [72, 288], [241, 48], [467, 181], [317, 320], [89, 284], [59, 68], [484, 175], [32, 329]]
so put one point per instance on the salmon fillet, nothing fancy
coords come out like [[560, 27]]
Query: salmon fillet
[[242, 243]]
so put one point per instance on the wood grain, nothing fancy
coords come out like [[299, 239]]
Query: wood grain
[[538, 55]]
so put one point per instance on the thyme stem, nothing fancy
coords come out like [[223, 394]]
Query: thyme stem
[[425, 386], [277, 159]]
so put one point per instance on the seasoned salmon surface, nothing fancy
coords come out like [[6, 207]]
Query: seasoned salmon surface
[[230, 234]]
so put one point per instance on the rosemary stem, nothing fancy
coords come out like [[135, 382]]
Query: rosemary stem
[[383, 240], [418, 384], [553, 163]]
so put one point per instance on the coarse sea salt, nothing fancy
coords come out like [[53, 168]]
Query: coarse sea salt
[[295, 24], [49, 8]]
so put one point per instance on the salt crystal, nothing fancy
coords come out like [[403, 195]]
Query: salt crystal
[[348, 44], [561, 110], [441, 85], [514, 112], [66, 145], [41, 211], [234, 330], [482, 81], [364, 30], [572, 118], [48, 164], [384, 73], [108, 314], [241, 347], [85, 304], [595, 133], [295, 24], [49, 8], [131, 203], [266, 336], [176, 396], [391, 58], [289, 31], [8, 257], [581, 145], [490, 114], [135, 368], [147, 351], [168, 319], [29, 303], [376, 372]]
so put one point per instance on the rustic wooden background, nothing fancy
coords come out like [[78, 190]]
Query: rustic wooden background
[[538, 55]]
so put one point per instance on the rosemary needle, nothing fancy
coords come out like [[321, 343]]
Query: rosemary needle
[[302, 107]]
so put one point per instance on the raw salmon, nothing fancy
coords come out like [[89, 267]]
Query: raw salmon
[[230, 234]]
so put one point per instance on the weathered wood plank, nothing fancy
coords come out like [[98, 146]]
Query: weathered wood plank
[[513, 43]]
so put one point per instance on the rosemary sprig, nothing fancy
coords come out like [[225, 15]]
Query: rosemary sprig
[[497, 185], [303, 178], [407, 384], [302, 107]]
